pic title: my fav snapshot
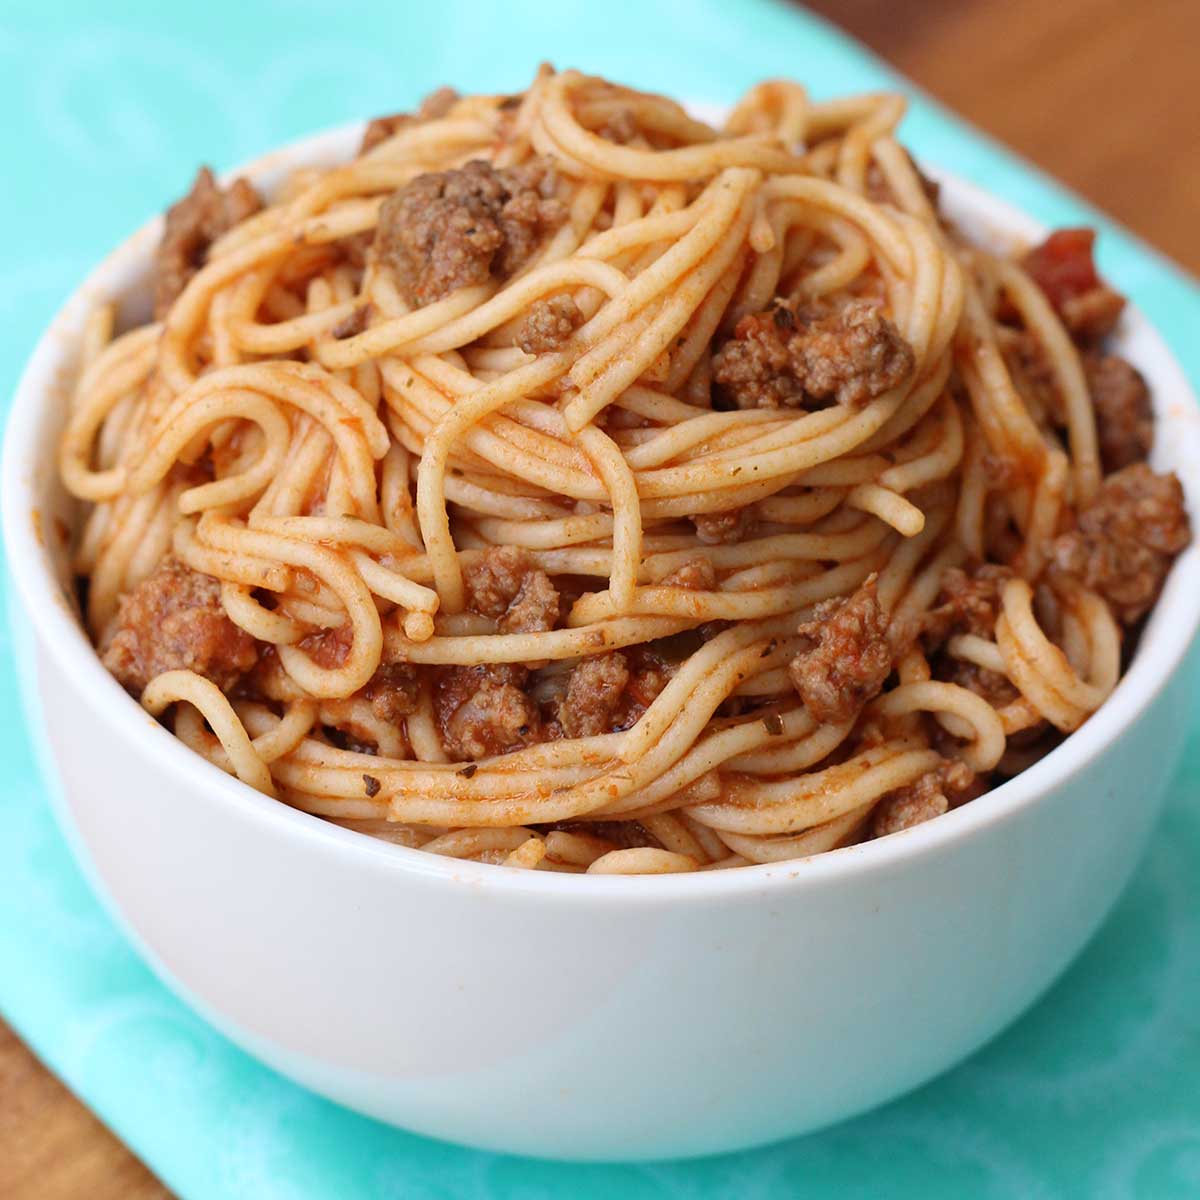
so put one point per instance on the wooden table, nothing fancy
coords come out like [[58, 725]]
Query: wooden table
[[1099, 92]]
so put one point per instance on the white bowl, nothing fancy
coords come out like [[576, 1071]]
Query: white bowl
[[586, 1017]]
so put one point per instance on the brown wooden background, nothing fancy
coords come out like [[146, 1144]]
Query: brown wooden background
[[1101, 93]]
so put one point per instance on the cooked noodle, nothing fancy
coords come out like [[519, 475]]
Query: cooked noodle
[[341, 453]]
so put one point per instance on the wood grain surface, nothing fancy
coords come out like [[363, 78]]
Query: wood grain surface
[[1101, 93], [52, 1147]]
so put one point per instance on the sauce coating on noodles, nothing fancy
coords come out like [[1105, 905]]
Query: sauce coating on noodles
[[566, 483]]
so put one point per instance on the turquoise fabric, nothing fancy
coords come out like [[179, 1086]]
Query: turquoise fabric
[[108, 108]]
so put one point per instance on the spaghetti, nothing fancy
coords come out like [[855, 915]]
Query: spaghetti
[[568, 484]]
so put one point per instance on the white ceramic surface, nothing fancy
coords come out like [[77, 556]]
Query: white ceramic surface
[[587, 1017]]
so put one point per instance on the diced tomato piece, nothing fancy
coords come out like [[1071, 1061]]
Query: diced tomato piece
[[1062, 265]]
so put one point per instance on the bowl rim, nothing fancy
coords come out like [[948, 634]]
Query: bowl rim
[[1161, 652]]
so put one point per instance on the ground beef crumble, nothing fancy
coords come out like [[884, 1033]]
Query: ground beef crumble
[[173, 620], [696, 574], [392, 691], [1124, 417], [620, 127], [608, 693], [504, 584], [192, 225], [436, 104], [483, 710], [1126, 539], [453, 229], [993, 687], [594, 695], [946, 786], [1033, 375], [548, 324], [967, 602], [788, 358], [328, 648], [721, 528], [651, 673], [847, 658]]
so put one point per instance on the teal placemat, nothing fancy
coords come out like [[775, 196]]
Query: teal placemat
[[107, 109]]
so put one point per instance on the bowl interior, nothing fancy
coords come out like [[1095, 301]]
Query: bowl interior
[[39, 518]]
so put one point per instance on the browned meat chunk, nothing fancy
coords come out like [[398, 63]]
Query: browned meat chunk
[[329, 648], [651, 673], [549, 323], [610, 693], [379, 129], [503, 583], [788, 359], [621, 126], [848, 656], [1062, 267], [535, 606], [454, 229], [174, 621], [718, 528], [192, 225], [1033, 376], [696, 574], [482, 711], [393, 692], [995, 688], [1124, 418], [594, 695], [1126, 539], [436, 104], [968, 602], [936, 792]]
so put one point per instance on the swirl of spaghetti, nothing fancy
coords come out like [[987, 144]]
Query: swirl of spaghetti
[[569, 484], [973, 713], [1042, 671], [173, 687]]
